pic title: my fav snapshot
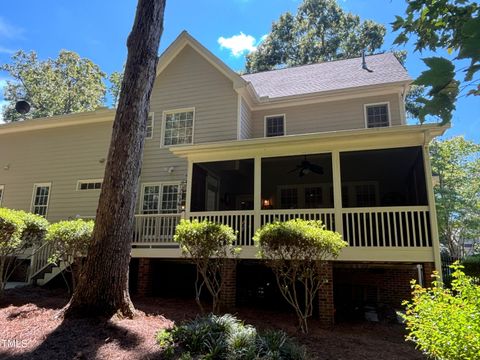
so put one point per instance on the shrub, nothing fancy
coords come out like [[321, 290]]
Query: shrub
[[209, 246], [70, 240], [225, 337], [445, 323], [19, 231], [294, 251], [471, 266]]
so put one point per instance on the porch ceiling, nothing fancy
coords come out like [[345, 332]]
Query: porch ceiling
[[345, 140]]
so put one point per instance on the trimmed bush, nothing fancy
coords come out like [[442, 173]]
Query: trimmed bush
[[226, 337], [294, 251], [445, 323], [209, 246], [471, 266]]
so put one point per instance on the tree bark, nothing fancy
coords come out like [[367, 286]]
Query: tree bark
[[102, 289]]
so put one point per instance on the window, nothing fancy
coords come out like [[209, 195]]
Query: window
[[158, 198], [2, 187], [289, 198], [149, 131], [274, 125], [89, 184], [178, 127], [313, 197], [377, 115], [41, 194]]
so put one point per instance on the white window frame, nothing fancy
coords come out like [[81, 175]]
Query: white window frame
[[2, 194], [86, 181], [273, 116], [150, 114], [164, 124], [34, 192], [160, 195], [365, 106]]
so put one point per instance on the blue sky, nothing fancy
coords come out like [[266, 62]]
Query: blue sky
[[229, 28]]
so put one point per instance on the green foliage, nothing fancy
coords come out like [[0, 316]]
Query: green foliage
[[11, 229], [225, 337], [471, 266], [453, 25], [320, 31], [115, 79], [457, 163], [35, 230], [445, 323], [294, 251], [209, 246]]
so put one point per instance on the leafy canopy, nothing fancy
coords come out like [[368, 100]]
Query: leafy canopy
[[320, 31], [453, 25], [457, 163], [445, 323]]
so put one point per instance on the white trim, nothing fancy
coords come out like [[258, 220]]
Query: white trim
[[152, 114], [273, 116], [376, 104], [87, 181], [34, 191], [160, 184], [239, 117], [173, 111], [2, 193]]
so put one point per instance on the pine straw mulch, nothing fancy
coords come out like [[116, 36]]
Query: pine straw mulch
[[28, 314]]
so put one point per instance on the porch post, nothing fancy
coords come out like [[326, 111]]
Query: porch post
[[189, 189], [432, 211], [257, 192], [337, 191]]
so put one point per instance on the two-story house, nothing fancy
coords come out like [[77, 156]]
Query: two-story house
[[326, 141]]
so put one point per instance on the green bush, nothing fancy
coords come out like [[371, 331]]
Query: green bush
[[209, 246], [471, 266], [225, 337], [11, 229], [35, 230], [445, 323], [294, 251]]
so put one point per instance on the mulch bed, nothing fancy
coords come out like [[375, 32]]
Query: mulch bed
[[29, 330]]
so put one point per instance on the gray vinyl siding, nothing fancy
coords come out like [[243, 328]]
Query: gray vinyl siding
[[60, 156], [246, 130], [326, 116]]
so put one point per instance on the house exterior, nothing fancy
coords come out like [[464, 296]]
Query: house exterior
[[326, 141]]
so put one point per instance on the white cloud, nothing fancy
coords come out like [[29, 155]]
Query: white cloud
[[238, 44], [9, 31], [4, 50]]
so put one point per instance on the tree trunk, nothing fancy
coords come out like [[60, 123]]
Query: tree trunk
[[102, 289]]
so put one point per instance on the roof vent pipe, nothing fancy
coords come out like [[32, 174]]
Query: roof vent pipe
[[364, 62]]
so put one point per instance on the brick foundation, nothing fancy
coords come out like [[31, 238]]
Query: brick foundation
[[325, 296], [144, 284], [428, 269], [229, 291]]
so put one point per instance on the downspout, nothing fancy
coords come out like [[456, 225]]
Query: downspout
[[421, 281]]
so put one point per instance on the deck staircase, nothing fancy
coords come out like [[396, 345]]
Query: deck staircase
[[41, 270]]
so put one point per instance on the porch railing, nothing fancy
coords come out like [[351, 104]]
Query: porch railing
[[155, 228], [327, 216]]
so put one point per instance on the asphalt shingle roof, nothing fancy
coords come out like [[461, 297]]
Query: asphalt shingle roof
[[328, 76]]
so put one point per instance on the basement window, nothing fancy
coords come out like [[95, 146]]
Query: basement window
[[377, 115], [274, 125], [89, 184]]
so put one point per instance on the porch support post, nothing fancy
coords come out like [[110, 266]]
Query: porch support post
[[257, 192], [188, 199], [337, 191], [432, 210]]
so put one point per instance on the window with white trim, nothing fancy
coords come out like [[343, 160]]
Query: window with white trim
[[377, 115], [89, 184], [274, 125], [2, 188], [41, 195], [160, 198], [149, 130], [178, 128]]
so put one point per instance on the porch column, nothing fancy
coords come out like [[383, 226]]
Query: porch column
[[188, 198], [432, 211], [228, 295], [337, 191], [144, 285], [257, 192]]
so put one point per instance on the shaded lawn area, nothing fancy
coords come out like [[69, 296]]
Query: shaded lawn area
[[28, 314]]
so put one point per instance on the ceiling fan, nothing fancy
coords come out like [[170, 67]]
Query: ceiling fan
[[306, 167]]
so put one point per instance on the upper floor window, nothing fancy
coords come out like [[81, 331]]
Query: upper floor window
[[377, 115], [41, 195], [178, 127], [2, 187], [89, 184], [149, 130], [160, 198], [274, 125]]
